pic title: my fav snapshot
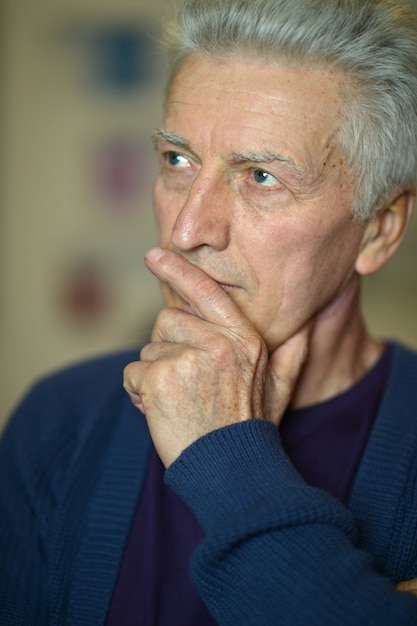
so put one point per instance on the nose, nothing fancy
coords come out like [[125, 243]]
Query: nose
[[204, 217]]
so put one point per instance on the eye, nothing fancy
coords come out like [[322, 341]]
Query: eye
[[176, 160], [264, 178]]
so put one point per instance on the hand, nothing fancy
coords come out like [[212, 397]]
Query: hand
[[207, 366]]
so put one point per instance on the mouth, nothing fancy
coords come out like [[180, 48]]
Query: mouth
[[228, 288], [179, 302]]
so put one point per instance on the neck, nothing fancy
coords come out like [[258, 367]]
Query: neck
[[341, 351]]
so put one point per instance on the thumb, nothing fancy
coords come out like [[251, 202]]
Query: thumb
[[285, 365]]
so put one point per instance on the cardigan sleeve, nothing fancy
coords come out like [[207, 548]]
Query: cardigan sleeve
[[276, 551]]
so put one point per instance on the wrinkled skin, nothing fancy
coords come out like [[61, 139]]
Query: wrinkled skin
[[207, 368], [253, 204], [260, 259]]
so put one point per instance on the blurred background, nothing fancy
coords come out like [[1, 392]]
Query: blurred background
[[81, 91]]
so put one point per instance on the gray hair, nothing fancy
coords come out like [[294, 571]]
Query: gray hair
[[372, 43]]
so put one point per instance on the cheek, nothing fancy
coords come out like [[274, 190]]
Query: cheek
[[325, 268], [304, 266], [276, 248], [165, 213]]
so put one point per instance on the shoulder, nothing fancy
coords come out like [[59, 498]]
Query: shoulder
[[401, 388], [404, 356], [65, 458], [79, 387], [63, 410], [97, 375]]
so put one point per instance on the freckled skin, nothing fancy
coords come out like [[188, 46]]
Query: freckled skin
[[259, 253], [216, 221]]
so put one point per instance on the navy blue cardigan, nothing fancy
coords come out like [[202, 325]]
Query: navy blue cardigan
[[276, 551]]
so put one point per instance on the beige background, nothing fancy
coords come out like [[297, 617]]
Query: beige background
[[52, 217]]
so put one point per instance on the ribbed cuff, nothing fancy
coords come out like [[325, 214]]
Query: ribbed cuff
[[231, 470]]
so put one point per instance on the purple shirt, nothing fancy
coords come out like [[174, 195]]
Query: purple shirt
[[324, 442]]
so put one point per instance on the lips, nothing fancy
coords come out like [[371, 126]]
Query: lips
[[228, 288], [224, 285]]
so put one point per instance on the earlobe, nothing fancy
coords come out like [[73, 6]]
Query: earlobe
[[384, 233]]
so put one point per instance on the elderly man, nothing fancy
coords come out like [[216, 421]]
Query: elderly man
[[287, 156]]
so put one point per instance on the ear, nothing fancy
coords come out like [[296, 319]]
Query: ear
[[384, 233]]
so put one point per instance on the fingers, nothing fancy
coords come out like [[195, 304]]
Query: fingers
[[160, 350], [286, 361], [175, 325], [204, 295], [131, 381], [285, 365]]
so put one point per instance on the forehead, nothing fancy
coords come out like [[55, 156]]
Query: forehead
[[251, 75], [235, 103]]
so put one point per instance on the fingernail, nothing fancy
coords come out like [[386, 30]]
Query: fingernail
[[154, 254]]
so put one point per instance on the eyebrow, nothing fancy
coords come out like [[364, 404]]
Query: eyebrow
[[267, 157], [235, 157], [259, 157], [180, 142]]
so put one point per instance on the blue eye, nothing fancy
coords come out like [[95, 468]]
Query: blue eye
[[176, 160], [263, 178]]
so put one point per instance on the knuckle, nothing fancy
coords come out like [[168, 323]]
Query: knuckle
[[188, 363], [202, 288], [166, 316], [256, 349], [160, 377], [251, 345], [221, 346], [129, 376], [162, 318], [144, 352], [206, 286]]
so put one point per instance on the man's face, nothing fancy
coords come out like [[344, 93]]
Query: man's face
[[254, 190]]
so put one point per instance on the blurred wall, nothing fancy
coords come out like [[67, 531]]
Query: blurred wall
[[81, 94], [390, 296]]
